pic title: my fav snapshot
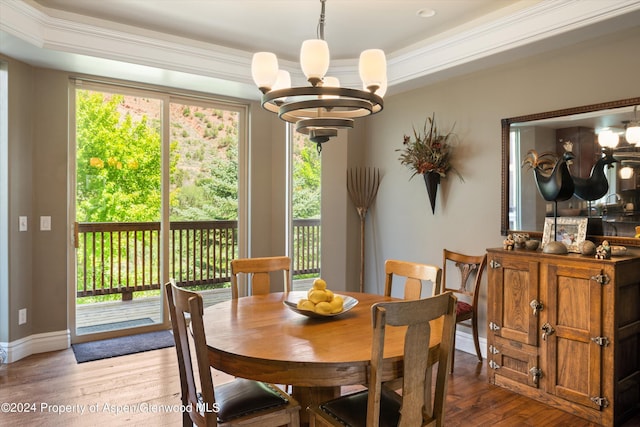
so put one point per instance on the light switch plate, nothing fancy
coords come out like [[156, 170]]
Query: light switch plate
[[45, 223], [23, 223]]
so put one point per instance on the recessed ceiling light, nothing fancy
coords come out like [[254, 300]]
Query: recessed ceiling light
[[426, 13]]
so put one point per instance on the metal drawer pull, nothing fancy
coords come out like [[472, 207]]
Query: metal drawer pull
[[536, 373], [547, 330], [536, 306]]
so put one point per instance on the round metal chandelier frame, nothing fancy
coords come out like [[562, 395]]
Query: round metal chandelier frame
[[320, 111]]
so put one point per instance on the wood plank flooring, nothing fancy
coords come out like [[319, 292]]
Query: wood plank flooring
[[145, 381]]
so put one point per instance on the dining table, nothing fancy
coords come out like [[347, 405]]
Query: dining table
[[260, 338]]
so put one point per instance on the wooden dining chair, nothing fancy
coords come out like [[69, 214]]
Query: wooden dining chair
[[240, 402], [467, 307], [260, 269], [415, 275], [379, 406]]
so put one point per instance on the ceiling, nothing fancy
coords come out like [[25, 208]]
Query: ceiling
[[207, 45]]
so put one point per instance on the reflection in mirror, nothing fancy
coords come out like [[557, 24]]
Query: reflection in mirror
[[589, 129]]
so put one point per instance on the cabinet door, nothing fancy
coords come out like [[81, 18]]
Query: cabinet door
[[514, 284], [574, 311]]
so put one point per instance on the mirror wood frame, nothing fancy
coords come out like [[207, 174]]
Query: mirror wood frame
[[506, 123]]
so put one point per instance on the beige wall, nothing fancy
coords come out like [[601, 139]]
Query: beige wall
[[400, 224], [38, 162], [21, 201], [467, 216]]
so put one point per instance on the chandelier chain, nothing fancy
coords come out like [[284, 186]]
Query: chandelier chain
[[320, 31]]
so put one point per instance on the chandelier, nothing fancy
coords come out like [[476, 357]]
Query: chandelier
[[324, 107]]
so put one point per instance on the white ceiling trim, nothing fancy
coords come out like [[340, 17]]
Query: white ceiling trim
[[101, 39], [539, 22]]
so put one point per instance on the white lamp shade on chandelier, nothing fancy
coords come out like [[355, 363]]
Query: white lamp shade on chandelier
[[373, 68], [324, 107], [314, 59], [264, 69]]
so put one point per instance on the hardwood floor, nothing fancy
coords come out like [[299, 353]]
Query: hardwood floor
[[149, 382]]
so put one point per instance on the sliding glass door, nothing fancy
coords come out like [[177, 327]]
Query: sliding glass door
[[155, 196]]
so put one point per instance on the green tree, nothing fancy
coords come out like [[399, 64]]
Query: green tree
[[118, 161], [306, 181], [213, 196]]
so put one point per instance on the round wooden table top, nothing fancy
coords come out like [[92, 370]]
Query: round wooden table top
[[259, 338]]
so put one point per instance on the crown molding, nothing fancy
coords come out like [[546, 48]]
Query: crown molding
[[537, 23], [78, 35]]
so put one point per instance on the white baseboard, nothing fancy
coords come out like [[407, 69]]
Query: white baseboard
[[464, 342], [39, 343]]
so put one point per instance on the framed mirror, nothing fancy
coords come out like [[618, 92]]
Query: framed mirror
[[524, 209]]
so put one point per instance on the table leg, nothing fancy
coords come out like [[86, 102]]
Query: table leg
[[312, 395]]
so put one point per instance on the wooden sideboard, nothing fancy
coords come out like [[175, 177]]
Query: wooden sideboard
[[565, 330]]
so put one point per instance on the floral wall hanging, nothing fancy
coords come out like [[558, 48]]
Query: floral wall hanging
[[429, 154]]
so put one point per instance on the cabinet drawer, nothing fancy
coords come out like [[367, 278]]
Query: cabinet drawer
[[514, 360]]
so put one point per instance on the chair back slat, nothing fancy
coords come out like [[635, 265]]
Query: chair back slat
[[423, 320], [259, 270], [415, 275]]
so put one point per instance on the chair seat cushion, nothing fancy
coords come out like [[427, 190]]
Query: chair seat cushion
[[351, 410], [242, 397], [463, 308]]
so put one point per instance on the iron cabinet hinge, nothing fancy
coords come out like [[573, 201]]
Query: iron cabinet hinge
[[536, 373], [494, 264], [600, 401], [602, 279], [601, 341], [493, 350], [493, 326], [536, 306], [493, 365]]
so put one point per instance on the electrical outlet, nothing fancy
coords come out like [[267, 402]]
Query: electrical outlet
[[23, 223], [22, 316], [45, 223]]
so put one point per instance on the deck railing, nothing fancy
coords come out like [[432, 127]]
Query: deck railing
[[122, 258]]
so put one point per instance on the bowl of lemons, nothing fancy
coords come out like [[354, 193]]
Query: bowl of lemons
[[319, 302]]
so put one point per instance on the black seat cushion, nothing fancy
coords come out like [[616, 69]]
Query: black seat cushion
[[242, 397], [351, 410]]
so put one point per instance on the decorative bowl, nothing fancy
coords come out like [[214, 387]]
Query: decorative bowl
[[349, 303], [532, 245]]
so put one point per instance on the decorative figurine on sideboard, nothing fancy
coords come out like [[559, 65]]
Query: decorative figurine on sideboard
[[508, 243], [604, 250], [554, 183], [596, 185]]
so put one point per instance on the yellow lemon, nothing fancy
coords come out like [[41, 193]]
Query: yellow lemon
[[316, 296], [319, 284], [336, 304], [323, 308], [329, 295], [305, 304]]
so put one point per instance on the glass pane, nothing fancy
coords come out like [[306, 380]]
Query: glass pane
[[204, 197], [118, 197], [306, 210]]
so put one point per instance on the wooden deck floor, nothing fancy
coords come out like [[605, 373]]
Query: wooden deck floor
[[113, 315]]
